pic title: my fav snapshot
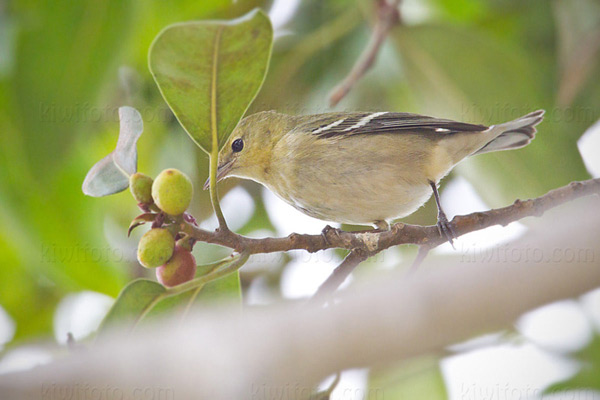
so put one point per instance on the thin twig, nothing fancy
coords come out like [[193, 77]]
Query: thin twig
[[388, 16], [421, 254], [339, 275], [331, 388]]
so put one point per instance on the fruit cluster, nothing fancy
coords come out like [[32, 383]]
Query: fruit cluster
[[164, 201]]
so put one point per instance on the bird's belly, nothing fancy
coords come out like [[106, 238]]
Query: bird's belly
[[361, 203]]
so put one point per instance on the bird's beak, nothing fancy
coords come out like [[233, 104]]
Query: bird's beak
[[222, 171]]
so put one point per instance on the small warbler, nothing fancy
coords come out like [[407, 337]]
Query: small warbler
[[361, 167]]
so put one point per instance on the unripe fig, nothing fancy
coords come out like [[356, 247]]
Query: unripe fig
[[141, 188], [179, 269], [172, 191], [155, 247]]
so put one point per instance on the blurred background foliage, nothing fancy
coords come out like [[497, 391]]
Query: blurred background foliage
[[66, 67]]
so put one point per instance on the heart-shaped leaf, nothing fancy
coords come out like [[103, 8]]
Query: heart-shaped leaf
[[111, 174], [210, 71]]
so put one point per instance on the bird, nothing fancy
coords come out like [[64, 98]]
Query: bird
[[361, 168]]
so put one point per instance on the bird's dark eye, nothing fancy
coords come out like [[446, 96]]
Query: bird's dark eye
[[237, 145]]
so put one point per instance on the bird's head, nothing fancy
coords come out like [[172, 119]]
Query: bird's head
[[248, 152]]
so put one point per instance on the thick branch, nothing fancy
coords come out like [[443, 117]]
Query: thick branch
[[225, 354], [387, 16], [373, 242]]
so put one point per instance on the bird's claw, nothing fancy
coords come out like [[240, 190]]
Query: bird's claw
[[326, 230], [445, 229]]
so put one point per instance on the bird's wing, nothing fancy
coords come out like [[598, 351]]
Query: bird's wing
[[332, 125]]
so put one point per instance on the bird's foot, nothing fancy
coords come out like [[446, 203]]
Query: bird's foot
[[381, 226], [445, 228], [326, 231]]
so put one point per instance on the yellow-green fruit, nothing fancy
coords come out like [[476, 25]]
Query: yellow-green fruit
[[155, 247], [179, 269], [141, 188], [172, 191]]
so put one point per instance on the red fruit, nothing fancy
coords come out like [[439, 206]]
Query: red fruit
[[179, 269]]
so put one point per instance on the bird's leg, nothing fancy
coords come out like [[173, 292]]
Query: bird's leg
[[444, 226]]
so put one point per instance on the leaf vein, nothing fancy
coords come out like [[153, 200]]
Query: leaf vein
[[213, 94]]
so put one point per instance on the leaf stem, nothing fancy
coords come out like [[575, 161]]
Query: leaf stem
[[214, 196], [219, 273], [214, 153], [205, 269]]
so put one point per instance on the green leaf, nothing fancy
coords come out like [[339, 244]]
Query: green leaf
[[61, 63], [225, 288], [587, 376], [134, 301], [210, 71], [585, 379], [415, 379], [145, 299], [111, 174]]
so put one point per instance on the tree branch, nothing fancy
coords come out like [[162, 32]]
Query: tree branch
[[388, 16], [371, 243]]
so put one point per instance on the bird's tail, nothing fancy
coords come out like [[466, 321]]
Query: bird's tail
[[513, 134]]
